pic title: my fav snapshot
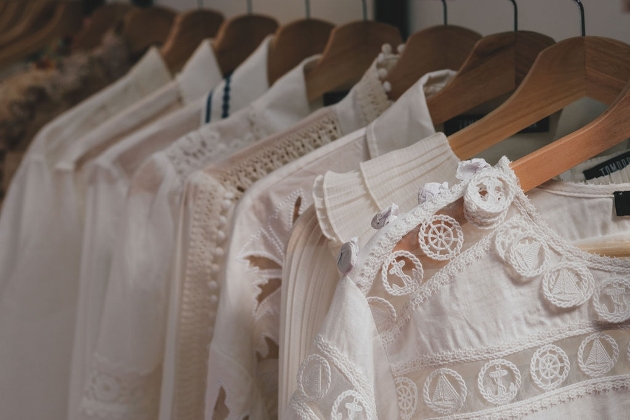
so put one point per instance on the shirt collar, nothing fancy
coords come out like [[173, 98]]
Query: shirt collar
[[150, 72], [200, 74], [248, 82]]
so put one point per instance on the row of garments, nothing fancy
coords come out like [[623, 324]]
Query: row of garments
[[213, 243]]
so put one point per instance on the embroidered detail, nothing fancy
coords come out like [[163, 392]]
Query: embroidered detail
[[431, 190], [611, 300], [568, 284], [351, 405], [441, 237], [382, 218], [529, 255], [394, 265], [549, 367], [443, 395], [602, 354], [314, 378], [407, 397], [487, 198], [467, 169], [383, 312], [348, 254], [507, 234], [499, 381]]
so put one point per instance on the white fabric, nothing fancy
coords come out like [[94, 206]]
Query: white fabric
[[509, 320], [243, 356], [130, 342], [249, 80], [103, 185], [39, 255]]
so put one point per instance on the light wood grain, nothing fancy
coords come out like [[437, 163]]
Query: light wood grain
[[65, 20], [431, 49], [239, 37], [295, 42], [496, 66], [558, 78], [350, 51], [103, 19], [187, 32], [144, 28]]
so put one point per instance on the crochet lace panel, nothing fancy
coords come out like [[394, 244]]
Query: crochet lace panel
[[418, 255], [371, 95], [212, 212]]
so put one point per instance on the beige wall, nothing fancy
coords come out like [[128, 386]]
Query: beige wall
[[556, 18], [336, 11]]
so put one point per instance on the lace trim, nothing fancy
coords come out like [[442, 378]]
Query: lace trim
[[371, 95], [217, 198], [548, 400], [113, 392], [194, 150]]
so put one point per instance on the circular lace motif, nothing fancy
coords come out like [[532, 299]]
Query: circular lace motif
[[598, 358], [487, 199], [529, 255], [444, 391], [499, 381], [549, 367], [383, 312], [441, 237], [407, 397], [568, 284], [352, 406], [394, 265], [612, 300], [314, 378], [507, 234]]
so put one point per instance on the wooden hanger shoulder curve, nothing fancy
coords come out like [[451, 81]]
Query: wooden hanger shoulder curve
[[66, 20], [295, 42], [496, 66], [32, 13], [103, 18], [11, 14], [350, 51], [146, 27], [431, 49], [239, 37], [187, 32], [562, 73]]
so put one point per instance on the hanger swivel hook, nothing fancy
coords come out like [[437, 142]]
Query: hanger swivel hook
[[583, 24]]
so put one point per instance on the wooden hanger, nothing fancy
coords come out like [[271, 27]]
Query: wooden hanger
[[146, 27], [12, 13], [103, 18], [31, 17], [239, 37], [66, 20], [431, 49], [295, 42], [496, 66], [350, 51], [188, 30]]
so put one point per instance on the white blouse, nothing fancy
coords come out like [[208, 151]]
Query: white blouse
[[39, 254], [130, 344], [478, 308], [249, 307]]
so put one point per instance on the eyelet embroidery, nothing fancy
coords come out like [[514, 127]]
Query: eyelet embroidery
[[487, 199], [410, 282], [491, 381], [602, 354], [549, 367], [568, 284], [383, 312], [353, 404], [444, 397], [611, 300], [529, 255], [407, 392], [441, 237], [314, 378]]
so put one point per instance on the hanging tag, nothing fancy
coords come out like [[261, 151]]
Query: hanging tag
[[622, 203], [608, 167]]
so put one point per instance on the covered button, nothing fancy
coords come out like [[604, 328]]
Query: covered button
[[348, 255], [384, 217]]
